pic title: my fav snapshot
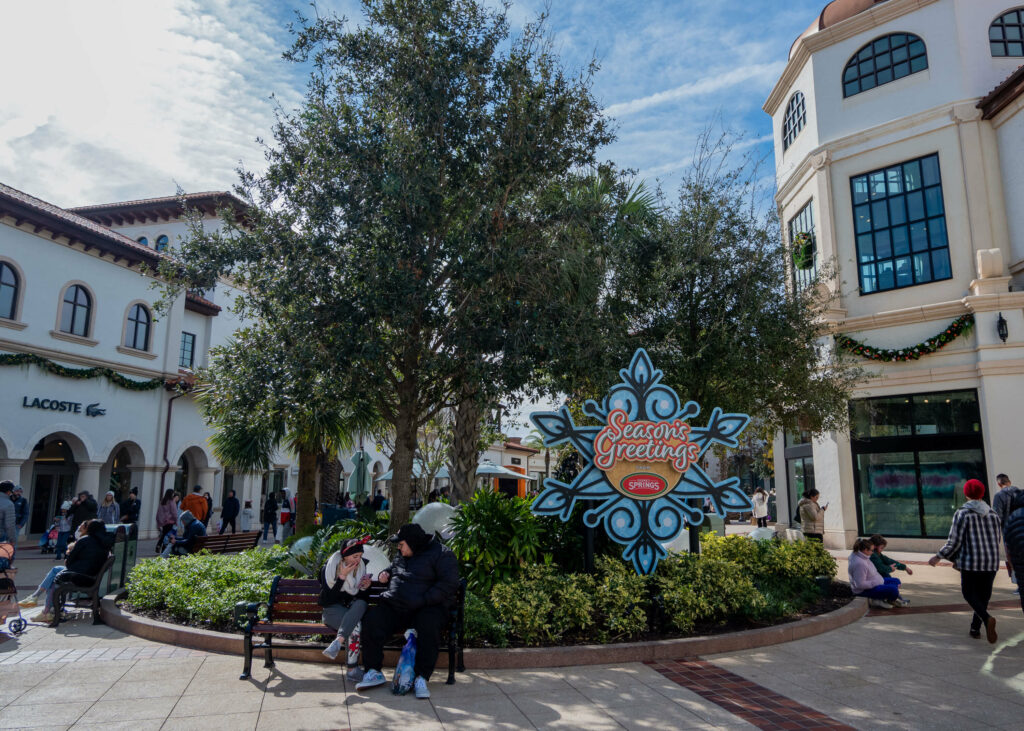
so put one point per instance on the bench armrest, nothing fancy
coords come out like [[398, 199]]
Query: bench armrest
[[246, 614]]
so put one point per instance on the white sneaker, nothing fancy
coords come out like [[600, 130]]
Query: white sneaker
[[879, 604], [333, 649], [355, 674], [371, 679], [420, 684], [901, 602]]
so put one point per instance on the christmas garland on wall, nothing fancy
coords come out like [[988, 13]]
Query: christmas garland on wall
[[960, 326], [14, 359]]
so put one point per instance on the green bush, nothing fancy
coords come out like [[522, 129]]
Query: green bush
[[494, 538], [699, 590], [201, 588], [327, 539], [481, 625], [621, 600]]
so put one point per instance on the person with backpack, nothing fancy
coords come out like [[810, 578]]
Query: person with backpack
[[974, 546], [1008, 504]]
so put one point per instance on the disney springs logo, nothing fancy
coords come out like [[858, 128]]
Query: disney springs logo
[[72, 407]]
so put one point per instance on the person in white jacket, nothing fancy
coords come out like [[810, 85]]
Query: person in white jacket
[[760, 502]]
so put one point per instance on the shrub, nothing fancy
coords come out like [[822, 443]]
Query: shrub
[[481, 625], [701, 590], [494, 538], [203, 588], [327, 539], [621, 600]]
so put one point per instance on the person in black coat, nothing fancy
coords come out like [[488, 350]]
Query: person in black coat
[[229, 511], [270, 518], [83, 508], [84, 562], [131, 507], [422, 586], [193, 528]]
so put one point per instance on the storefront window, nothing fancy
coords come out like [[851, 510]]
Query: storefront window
[[799, 468], [912, 455]]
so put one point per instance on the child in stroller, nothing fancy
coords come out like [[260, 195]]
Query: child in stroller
[[55, 539], [48, 541]]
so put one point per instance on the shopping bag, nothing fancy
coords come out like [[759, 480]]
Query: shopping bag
[[353, 647], [404, 672]]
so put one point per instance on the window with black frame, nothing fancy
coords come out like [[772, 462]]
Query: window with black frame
[[911, 456], [1006, 34], [882, 61], [804, 247], [799, 469], [899, 220], [187, 357]]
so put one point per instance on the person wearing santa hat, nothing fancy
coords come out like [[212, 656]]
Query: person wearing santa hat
[[974, 546]]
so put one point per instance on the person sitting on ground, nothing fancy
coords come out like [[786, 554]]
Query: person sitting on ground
[[83, 564], [109, 511], [974, 545], [883, 563], [812, 515], [195, 503], [865, 581], [193, 528], [422, 584], [344, 593]]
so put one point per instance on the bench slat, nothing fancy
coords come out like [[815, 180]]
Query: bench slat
[[297, 628], [296, 585], [297, 599], [298, 616], [296, 607]]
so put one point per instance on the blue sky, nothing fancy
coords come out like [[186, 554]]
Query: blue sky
[[120, 99]]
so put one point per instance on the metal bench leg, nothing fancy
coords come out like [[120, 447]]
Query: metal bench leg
[[268, 653], [247, 666], [453, 634], [96, 609]]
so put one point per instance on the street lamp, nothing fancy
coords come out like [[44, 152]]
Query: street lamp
[[1001, 328]]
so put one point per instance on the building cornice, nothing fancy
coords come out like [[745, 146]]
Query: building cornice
[[13, 346], [807, 45], [930, 312], [943, 374]]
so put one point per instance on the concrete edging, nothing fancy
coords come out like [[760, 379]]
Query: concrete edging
[[512, 658]]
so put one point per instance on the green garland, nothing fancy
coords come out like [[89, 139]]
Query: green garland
[[11, 359], [960, 326], [803, 251]]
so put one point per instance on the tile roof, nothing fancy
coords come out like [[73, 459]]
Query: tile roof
[[46, 215], [198, 303], [1000, 97]]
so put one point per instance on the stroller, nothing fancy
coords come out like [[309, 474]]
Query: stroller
[[9, 592], [48, 542]]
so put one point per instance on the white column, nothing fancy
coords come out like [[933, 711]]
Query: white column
[[10, 469], [89, 479]]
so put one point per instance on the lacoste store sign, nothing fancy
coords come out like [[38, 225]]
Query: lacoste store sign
[[70, 407]]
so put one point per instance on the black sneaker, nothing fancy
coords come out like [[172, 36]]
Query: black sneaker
[[976, 634]]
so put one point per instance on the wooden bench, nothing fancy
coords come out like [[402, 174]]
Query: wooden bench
[[293, 609], [70, 591], [227, 543]]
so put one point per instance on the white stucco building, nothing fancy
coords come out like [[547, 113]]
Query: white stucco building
[[77, 292], [898, 146]]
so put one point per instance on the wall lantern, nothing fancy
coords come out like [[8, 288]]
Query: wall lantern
[[1001, 328]]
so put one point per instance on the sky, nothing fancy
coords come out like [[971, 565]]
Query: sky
[[112, 100]]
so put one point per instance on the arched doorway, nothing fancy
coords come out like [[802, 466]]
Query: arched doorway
[[184, 477], [54, 473]]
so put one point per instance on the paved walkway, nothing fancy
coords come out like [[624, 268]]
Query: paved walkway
[[898, 669]]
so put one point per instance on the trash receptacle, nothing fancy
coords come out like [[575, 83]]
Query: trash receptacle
[[124, 540]]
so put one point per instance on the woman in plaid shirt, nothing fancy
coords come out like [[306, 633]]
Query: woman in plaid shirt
[[974, 547]]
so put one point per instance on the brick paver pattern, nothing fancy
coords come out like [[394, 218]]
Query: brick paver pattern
[[744, 698]]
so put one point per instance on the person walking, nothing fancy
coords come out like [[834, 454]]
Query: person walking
[[20, 511], [812, 515], [270, 518], [287, 514], [422, 583], [974, 546], [166, 517], [1008, 504], [760, 502], [109, 511], [229, 512]]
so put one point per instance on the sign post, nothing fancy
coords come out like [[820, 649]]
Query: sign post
[[640, 474]]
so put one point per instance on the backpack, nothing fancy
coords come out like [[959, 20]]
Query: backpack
[[1013, 531], [796, 514]]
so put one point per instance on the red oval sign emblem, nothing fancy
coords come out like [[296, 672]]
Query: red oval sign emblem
[[644, 485]]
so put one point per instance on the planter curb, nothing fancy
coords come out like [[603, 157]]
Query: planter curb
[[509, 658]]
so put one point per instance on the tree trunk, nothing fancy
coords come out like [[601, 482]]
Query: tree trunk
[[305, 494], [466, 434], [330, 475], [402, 459]]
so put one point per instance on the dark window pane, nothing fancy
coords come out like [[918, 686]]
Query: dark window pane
[[881, 417], [883, 245], [863, 218], [933, 201], [879, 215], [885, 76], [894, 176], [887, 494], [943, 474], [867, 67], [860, 190], [1012, 32], [998, 49], [930, 170], [937, 233], [852, 88], [900, 240], [901, 69], [919, 236], [912, 175], [7, 302], [1015, 48], [867, 278], [900, 54], [904, 273], [922, 267], [886, 276], [867, 82], [850, 74], [918, 64], [865, 250], [915, 206], [940, 264], [878, 185], [881, 45], [897, 210], [917, 48]]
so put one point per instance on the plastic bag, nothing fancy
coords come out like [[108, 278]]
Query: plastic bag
[[353, 647], [404, 672]]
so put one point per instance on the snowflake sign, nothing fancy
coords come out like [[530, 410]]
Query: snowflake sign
[[640, 469]]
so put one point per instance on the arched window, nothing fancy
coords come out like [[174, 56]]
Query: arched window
[[162, 242], [136, 333], [8, 291], [795, 119], [74, 314], [883, 60], [1006, 34], [143, 240]]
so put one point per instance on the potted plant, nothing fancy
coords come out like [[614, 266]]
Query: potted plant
[[803, 251]]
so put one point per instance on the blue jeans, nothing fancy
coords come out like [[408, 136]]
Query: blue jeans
[[47, 585], [888, 591], [271, 526], [62, 543]]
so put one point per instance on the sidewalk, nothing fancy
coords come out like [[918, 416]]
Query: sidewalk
[[899, 669]]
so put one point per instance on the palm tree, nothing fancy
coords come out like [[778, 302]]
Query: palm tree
[[535, 439]]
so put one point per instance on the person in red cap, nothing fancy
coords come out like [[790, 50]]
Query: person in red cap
[[974, 546]]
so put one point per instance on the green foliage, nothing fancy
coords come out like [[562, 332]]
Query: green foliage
[[495, 539], [327, 539], [698, 590], [481, 625], [203, 588]]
